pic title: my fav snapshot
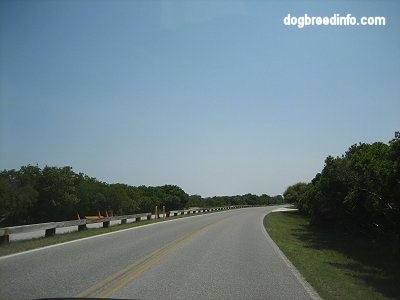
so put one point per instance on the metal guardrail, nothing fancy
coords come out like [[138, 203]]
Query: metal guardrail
[[204, 209], [50, 228]]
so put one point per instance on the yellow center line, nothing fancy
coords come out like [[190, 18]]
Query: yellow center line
[[135, 273], [114, 276], [117, 280]]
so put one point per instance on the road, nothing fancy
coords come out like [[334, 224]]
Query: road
[[224, 255]]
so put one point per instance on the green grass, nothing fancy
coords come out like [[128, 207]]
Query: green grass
[[20, 246], [338, 267]]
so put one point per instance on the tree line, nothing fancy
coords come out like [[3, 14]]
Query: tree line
[[247, 199], [34, 195], [358, 192]]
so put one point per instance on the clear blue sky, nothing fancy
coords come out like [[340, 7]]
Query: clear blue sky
[[217, 97]]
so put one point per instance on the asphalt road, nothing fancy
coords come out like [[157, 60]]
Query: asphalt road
[[224, 255]]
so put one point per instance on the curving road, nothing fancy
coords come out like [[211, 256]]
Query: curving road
[[224, 255]]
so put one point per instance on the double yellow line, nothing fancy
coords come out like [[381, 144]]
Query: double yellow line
[[112, 283]]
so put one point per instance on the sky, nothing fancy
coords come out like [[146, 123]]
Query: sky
[[217, 97]]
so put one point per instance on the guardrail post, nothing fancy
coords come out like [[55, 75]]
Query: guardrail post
[[50, 232], [137, 219], [149, 217], [5, 238], [82, 227], [106, 224]]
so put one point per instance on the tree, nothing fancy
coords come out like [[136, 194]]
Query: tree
[[57, 194], [17, 196], [91, 194], [195, 201], [357, 192], [173, 197], [293, 193]]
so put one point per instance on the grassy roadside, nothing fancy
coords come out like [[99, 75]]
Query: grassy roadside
[[20, 246], [337, 267]]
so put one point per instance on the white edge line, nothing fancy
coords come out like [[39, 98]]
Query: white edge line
[[309, 289], [99, 235]]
